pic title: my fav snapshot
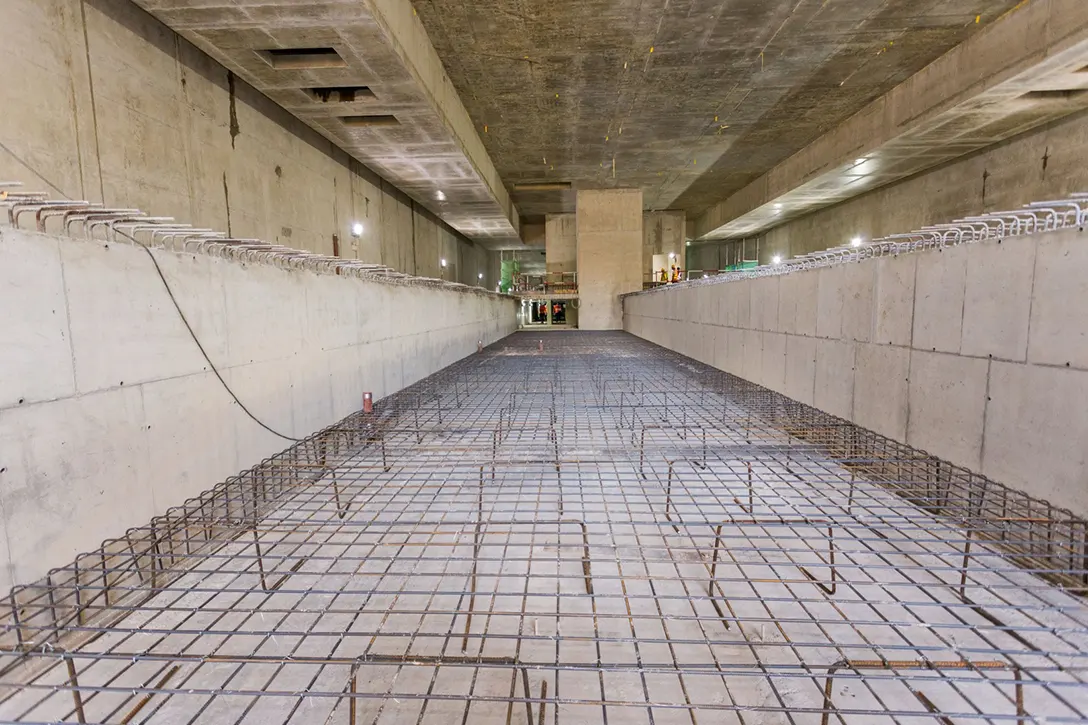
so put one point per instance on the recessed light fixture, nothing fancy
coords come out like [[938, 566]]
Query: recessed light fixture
[[776, 259], [440, 195], [855, 242], [443, 262], [357, 229]]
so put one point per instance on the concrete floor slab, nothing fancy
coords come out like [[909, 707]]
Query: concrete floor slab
[[507, 541]]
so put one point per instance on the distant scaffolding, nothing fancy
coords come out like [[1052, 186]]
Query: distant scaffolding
[[572, 528]]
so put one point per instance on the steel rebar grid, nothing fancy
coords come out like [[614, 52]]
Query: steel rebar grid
[[597, 531]]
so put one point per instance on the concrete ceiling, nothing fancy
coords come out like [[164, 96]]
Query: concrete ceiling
[[1027, 69], [691, 100], [1052, 91], [408, 127]]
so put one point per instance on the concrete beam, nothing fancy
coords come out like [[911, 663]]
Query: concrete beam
[[400, 115], [1024, 70], [409, 39]]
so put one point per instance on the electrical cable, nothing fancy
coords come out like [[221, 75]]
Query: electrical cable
[[173, 299]]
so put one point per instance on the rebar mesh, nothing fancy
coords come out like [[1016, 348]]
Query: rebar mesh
[[597, 531]]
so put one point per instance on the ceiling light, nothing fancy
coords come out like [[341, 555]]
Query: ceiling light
[[480, 275], [672, 255], [443, 262], [440, 195], [855, 242], [777, 206], [357, 229], [776, 259], [689, 242]]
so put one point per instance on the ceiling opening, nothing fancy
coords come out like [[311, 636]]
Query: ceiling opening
[[543, 186], [368, 121], [339, 94], [1065, 94], [302, 58]]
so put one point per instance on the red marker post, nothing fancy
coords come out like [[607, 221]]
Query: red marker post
[[368, 403]]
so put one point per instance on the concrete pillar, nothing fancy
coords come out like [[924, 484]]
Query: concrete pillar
[[609, 232], [663, 233], [560, 243]]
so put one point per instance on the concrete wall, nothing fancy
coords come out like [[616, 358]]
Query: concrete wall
[[561, 243], [108, 104], [977, 354], [609, 254], [109, 415]]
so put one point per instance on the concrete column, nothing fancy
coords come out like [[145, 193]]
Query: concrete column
[[560, 243], [663, 233], [609, 233]]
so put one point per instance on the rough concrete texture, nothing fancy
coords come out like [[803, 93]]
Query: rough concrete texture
[[893, 299], [107, 104], [663, 232], [609, 230], [940, 284], [881, 377], [1003, 393], [1016, 74], [423, 139], [834, 389], [109, 414], [1043, 164], [1036, 413], [561, 243], [997, 300], [947, 405], [1057, 333], [691, 100]]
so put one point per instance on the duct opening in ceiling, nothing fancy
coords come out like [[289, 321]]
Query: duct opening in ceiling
[[302, 58], [543, 186], [339, 94], [368, 121], [1063, 94]]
